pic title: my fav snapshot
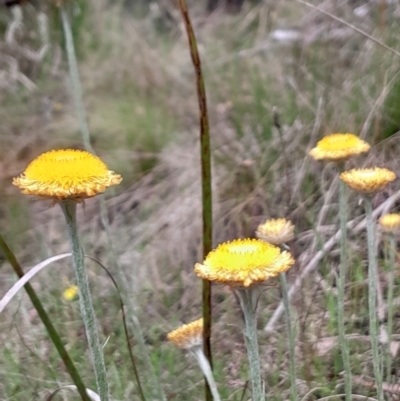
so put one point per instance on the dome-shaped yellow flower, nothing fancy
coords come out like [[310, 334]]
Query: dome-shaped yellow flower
[[71, 293], [390, 222], [188, 336], [66, 174], [244, 262], [276, 231], [337, 147], [368, 180]]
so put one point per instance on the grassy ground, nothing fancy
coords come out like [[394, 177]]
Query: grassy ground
[[141, 103]]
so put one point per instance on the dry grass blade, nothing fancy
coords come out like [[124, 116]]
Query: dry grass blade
[[393, 389], [52, 332], [311, 392], [342, 21], [353, 397], [91, 393], [324, 345], [26, 278]]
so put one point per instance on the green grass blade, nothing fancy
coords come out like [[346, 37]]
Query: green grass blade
[[128, 343], [55, 338]]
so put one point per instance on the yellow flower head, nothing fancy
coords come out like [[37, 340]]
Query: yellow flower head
[[368, 180], [337, 147], [276, 231], [390, 223], [66, 174], [244, 262], [71, 293], [188, 336]]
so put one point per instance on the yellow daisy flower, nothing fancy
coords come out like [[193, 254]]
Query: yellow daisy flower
[[188, 336], [337, 147], [71, 293], [66, 174], [276, 231], [368, 180], [390, 222], [244, 262]]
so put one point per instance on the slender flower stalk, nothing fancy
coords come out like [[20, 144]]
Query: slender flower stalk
[[85, 300], [207, 371], [390, 224], [339, 147], [190, 337], [367, 182], [154, 386], [392, 254], [278, 232], [69, 177], [372, 277], [247, 297], [344, 344], [243, 264], [291, 338]]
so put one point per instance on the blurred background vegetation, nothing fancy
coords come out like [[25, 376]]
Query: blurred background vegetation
[[279, 75]]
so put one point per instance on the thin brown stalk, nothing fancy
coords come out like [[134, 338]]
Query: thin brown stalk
[[205, 177]]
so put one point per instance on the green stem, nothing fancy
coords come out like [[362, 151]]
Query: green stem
[[55, 338], [76, 83], [206, 369], [135, 326], [344, 345], [372, 277], [291, 338], [248, 305], [85, 301], [392, 253], [205, 178]]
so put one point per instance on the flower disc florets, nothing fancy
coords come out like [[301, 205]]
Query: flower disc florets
[[276, 231], [244, 262], [337, 147], [66, 174], [188, 336], [368, 180], [390, 223]]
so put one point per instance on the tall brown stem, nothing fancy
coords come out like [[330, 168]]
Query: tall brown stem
[[205, 177]]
